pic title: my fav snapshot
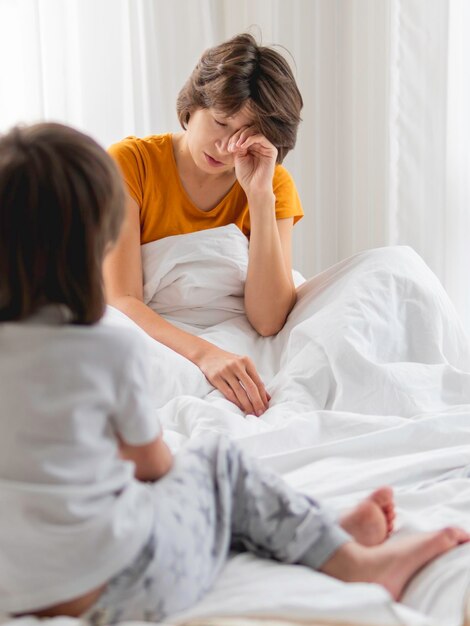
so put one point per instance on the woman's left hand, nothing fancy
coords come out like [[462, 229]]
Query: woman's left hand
[[254, 160]]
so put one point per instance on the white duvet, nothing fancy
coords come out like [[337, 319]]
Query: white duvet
[[370, 385]]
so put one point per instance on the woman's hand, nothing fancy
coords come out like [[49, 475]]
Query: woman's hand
[[236, 377], [254, 160]]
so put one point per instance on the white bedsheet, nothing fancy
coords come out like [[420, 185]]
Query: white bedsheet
[[370, 385]]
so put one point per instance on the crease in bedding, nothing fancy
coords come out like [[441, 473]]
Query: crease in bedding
[[370, 385]]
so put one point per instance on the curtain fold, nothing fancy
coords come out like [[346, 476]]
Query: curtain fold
[[430, 138], [456, 243], [418, 126]]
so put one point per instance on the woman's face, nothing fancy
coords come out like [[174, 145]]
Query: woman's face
[[208, 133]]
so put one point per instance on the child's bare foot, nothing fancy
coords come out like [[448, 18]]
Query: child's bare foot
[[392, 564], [371, 521]]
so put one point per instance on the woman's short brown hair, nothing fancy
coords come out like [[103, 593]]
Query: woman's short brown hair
[[61, 204], [240, 72]]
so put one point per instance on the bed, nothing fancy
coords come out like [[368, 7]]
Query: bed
[[370, 385]]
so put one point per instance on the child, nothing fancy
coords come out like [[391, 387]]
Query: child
[[81, 533]]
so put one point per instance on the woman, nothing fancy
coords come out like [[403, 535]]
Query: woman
[[240, 111]]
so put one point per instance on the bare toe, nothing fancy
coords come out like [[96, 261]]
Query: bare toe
[[406, 557], [383, 497], [392, 564], [367, 524], [372, 520]]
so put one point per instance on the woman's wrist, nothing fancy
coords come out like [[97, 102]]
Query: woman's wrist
[[199, 349], [264, 201]]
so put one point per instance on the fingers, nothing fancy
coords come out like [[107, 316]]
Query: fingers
[[248, 137], [259, 385], [258, 142], [249, 396], [240, 136], [243, 386], [228, 392], [234, 390], [236, 377], [244, 398], [251, 383]]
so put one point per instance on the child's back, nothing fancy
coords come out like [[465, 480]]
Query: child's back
[[72, 513]]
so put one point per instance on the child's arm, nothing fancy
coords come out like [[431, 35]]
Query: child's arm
[[152, 460]]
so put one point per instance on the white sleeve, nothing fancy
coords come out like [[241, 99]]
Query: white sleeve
[[135, 419]]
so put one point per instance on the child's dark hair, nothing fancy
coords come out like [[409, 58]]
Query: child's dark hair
[[61, 205], [239, 72]]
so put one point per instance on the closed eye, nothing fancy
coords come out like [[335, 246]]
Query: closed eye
[[219, 123]]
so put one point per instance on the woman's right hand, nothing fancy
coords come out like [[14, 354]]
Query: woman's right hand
[[236, 377]]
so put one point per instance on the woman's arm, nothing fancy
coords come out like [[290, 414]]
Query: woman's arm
[[152, 460], [235, 376], [269, 290]]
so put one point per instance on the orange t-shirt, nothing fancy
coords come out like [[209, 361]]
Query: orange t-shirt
[[149, 169]]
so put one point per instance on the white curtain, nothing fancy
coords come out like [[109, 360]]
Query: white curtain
[[383, 149], [430, 138]]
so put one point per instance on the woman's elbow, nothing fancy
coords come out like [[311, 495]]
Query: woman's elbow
[[269, 325], [268, 330]]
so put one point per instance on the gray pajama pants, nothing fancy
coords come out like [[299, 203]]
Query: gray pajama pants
[[215, 498]]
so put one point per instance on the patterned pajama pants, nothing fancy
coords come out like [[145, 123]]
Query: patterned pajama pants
[[215, 498]]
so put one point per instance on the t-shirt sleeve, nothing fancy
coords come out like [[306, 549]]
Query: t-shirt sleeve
[[129, 158], [135, 420], [287, 198]]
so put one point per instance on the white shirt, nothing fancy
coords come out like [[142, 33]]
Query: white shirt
[[71, 513]]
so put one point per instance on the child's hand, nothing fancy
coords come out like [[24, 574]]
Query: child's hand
[[254, 160]]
